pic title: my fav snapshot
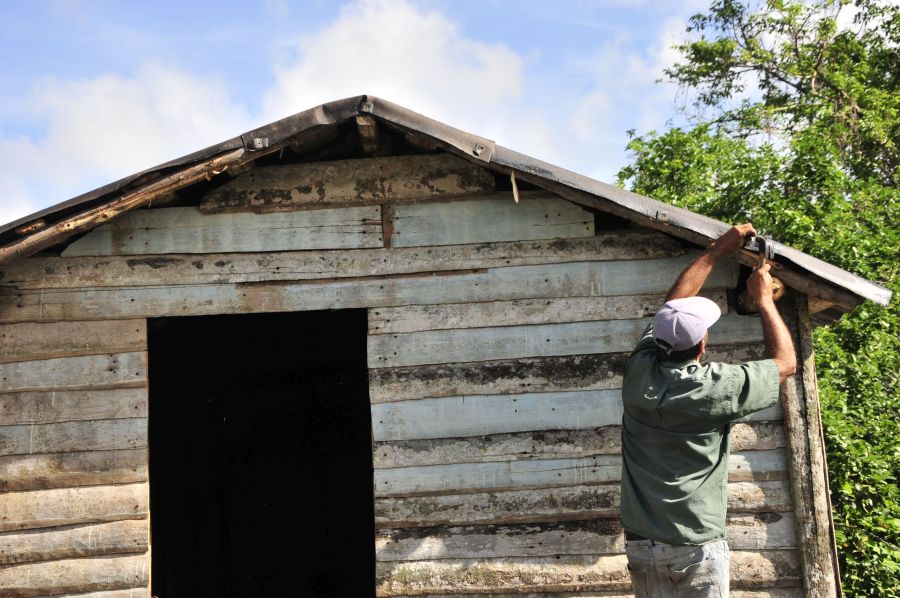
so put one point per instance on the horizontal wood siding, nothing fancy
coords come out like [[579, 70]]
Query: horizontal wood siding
[[565, 503], [575, 279], [537, 216], [186, 230], [749, 570], [232, 268], [73, 457]]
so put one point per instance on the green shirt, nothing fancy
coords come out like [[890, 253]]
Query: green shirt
[[675, 441]]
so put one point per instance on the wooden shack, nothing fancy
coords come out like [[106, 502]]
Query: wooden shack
[[358, 352]]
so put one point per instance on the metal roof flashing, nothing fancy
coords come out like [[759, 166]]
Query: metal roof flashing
[[573, 186]]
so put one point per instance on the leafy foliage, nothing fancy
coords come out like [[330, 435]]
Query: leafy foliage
[[797, 129]]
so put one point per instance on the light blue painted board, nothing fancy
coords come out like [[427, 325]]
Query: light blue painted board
[[489, 219], [544, 473], [187, 230], [479, 415]]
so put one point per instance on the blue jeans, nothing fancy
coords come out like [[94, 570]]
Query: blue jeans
[[661, 570]]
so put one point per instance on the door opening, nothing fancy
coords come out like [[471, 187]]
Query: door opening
[[261, 456]]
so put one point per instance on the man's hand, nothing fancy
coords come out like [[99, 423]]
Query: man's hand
[[693, 277], [732, 239], [759, 285]]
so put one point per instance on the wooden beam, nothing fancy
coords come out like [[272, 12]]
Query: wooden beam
[[539, 215], [66, 470], [552, 443], [72, 541], [369, 138], [67, 506], [809, 481], [231, 268], [187, 230], [75, 576], [550, 504], [29, 341], [542, 473], [106, 212]]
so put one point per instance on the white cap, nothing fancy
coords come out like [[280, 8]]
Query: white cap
[[681, 323]]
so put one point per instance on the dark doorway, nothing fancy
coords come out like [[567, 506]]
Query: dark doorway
[[261, 456]]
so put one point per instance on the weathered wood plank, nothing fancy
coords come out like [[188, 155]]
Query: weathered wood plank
[[66, 470], [569, 279], [74, 575], [72, 436], [187, 230], [30, 341], [595, 536], [535, 340], [226, 268], [543, 473], [495, 414], [477, 415], [50, 406], [762, 593], [415, 318], [489, 219], [349, 182], [595, 371], [96, 539], [749, 570], [69, 506], [552, 443], [75, 373], [550, 504], [144, 592]]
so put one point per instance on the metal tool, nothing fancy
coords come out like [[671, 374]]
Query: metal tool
[[766, 250]]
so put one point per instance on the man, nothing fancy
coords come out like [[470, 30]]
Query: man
[[677, 414]]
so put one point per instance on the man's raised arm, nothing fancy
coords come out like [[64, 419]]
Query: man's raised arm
[[777, 338], [692, 278]]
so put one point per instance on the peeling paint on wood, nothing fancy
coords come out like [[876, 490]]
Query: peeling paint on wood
[[550, 504], [544, 444], [595, 371], [349, 182]]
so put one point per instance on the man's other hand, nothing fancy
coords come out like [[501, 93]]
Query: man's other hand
[[732, 239], [759, 285]]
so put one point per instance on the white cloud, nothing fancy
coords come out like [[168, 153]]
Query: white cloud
[[101, 129]]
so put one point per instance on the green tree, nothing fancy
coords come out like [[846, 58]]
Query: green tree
[[795, 126]]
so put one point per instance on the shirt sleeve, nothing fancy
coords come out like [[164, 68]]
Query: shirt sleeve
[[748, 387], [646, 341]]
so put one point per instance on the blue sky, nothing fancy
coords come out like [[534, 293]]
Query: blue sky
[[93, 90]]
